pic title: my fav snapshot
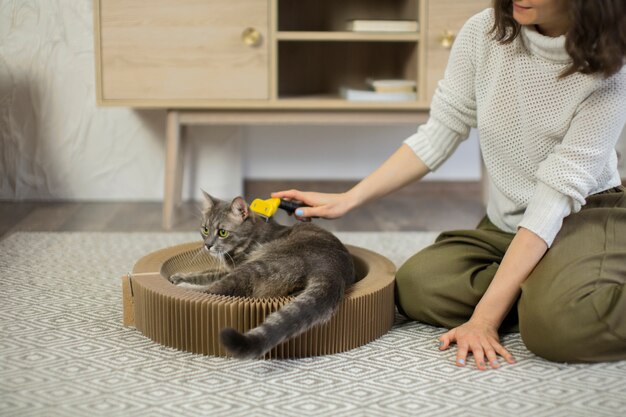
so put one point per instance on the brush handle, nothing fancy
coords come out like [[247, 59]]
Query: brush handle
[[290, 206]]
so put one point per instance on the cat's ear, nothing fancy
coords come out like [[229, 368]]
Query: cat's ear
[[208, 202], [240, 208]]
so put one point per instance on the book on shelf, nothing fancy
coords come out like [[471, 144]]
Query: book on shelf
[[353, 94], [375, 25], [391, 85]]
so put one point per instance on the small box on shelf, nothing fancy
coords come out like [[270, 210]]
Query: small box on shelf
[[391, 85], [384, 89], [352, 94], [379, 25]]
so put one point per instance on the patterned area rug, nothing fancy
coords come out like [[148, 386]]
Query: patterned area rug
[[64, 352]]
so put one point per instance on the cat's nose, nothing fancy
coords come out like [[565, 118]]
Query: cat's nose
[[208, 246]]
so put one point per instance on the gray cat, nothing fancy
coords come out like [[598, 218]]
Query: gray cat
[[266, 259]]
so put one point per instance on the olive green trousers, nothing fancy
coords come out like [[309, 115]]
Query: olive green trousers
[[572, 307]]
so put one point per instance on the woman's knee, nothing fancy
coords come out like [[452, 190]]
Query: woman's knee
[[549, 334], [431, 290], [567, 331], [442, 284], [543, 324], [414, 292]]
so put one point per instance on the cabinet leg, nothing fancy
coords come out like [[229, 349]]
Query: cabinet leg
[[180, 167], [173, 168]]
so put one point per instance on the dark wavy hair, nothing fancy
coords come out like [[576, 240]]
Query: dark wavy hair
[[596, 39]]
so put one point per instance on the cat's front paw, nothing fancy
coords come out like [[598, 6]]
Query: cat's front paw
[[177, 278]]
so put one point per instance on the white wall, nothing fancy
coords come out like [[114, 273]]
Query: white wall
[[346, 152], [56, 144]]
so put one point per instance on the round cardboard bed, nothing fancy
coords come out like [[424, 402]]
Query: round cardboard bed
[[191, 320]]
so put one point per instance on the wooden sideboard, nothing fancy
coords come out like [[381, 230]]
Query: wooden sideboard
[[266, 61]]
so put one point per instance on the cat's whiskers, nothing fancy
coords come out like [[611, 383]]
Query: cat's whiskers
[[222, 262], [231, 259], [197, 254], [198, 209], [223, 266], [259, 245]]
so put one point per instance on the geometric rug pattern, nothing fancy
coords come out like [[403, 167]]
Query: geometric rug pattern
[[64, 352]]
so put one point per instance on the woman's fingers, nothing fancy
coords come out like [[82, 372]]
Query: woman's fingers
[[504, 353], [315, 204], [492, 357], [479, 356], [305, 213], [446, 339], [302, 213], [483, 350], [290, 194], [461, 354]]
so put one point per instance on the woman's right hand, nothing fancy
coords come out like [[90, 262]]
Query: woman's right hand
[[400, 169], [325, 205]]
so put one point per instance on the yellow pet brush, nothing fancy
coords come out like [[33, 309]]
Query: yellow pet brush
[[267, 208]]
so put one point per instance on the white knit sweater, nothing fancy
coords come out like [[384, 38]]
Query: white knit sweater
[[547, 143]]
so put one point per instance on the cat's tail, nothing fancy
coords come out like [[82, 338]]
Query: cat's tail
[[315, 305]]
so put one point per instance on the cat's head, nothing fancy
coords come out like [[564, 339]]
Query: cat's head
[[227, 227]]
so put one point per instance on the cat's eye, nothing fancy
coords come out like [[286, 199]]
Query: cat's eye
[[223, 233], [205, 231]]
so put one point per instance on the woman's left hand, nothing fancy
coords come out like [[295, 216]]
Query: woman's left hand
[[479, 338]]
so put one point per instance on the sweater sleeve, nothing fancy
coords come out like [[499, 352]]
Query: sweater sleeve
[[566, 177], [453, 107]]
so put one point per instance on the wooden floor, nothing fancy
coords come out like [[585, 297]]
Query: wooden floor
[[431, 206]]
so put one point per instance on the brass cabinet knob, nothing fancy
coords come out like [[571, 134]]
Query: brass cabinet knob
[[447, 39], [251, 37]]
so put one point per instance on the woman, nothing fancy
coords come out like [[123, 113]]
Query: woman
[[544, 83]]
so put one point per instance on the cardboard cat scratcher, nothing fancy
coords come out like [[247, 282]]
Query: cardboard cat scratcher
[[191, 321]]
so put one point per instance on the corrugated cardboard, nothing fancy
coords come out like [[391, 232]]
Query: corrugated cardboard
[[191, 320]]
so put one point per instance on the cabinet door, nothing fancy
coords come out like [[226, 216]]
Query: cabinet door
[[182, 49], [445, 17]]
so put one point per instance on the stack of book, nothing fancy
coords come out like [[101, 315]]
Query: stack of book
[[382, 90]]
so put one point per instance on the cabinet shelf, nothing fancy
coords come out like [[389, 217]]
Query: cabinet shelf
[[348, 36], [334, 101], [332, 15], [270, 54], [311, 69]]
